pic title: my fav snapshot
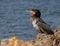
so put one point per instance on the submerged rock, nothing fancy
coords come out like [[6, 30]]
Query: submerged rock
[[41, 40]]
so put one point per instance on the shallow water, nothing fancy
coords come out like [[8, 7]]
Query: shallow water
[[14, 20]]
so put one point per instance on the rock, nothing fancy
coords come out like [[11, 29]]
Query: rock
[[15, 42], [41, 40], [4, 42], [57, 36], [57, 33], [44, 40]]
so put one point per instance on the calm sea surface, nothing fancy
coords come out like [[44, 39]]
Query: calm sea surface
[[15, 21]]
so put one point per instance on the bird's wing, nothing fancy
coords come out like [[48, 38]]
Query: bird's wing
[[43, 25], [42, 21]]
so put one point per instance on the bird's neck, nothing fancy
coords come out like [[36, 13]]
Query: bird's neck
[[36, 15], [33, 17]]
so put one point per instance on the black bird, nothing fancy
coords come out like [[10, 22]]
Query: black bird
[[38, 23]]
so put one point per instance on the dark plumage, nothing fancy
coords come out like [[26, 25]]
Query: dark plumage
[[38, 23]]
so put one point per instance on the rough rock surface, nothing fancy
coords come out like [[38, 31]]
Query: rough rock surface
[[41, 40]]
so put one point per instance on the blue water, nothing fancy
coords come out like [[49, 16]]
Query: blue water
[[15, 21]]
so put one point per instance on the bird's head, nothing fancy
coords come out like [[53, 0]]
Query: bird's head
[[35, 12]]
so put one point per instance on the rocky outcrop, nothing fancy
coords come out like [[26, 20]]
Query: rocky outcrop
[[41, 40], [15, 42]]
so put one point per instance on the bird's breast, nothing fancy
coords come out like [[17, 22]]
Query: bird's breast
[[35, 25]]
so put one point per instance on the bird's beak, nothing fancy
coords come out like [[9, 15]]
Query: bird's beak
[[31, 11]]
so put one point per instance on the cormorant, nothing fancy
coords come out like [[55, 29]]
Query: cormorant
[[38, 23]]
